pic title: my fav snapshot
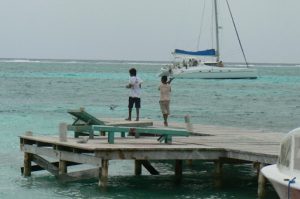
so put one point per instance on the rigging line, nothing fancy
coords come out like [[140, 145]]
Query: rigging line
[[201, 25], [237, 34]]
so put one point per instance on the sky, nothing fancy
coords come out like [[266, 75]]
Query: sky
[[147, 29]]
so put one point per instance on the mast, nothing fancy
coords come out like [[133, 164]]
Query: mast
[[217, 31]]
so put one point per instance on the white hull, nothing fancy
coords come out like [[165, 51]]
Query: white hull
[[280, 182], [210, 72]]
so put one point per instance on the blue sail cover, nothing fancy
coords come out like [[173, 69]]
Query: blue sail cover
[[209, 52]]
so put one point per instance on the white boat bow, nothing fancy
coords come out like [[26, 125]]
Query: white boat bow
[[285, 175]]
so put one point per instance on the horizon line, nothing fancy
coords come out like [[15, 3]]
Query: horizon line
[[135, 60]]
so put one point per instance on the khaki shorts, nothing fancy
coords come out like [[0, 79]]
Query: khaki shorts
[[165, 107]]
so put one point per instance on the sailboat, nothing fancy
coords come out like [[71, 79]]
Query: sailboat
[[206, 64]]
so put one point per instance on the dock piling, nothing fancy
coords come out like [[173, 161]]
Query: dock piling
[[261, 183], [104, 173], [27, 164], [137, 167], [62, 167], [178, 168], [218, 173]]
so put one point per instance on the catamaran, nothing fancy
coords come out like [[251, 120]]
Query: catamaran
[[285, 175], [206, 64]]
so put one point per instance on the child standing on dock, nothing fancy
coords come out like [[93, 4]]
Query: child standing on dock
[[134, 94], [165, 92]]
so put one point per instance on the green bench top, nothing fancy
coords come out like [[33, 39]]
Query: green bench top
[[83, 116]]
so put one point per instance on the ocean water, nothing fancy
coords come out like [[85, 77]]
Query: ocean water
[[36, 94]]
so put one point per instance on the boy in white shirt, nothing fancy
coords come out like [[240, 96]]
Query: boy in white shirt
[[134, 93]]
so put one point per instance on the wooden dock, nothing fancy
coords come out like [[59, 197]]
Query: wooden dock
[[222, 145]]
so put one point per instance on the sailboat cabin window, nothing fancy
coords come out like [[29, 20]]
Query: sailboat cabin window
[[297, 153], [285, 152]]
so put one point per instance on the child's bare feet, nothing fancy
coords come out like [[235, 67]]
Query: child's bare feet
[[128, 119], [165, 123], [137, 119]]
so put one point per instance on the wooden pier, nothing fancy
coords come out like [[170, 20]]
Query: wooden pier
[[222, 145]]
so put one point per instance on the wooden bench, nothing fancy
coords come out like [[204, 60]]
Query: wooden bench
[[82, 116], [164, 133], [84, 122]]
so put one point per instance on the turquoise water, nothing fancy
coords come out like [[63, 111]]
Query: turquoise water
[[35, 95]]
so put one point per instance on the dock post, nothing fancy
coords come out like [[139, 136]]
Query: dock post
[[104, 174], [187, 120], [62, 167], [178, 168], [137, 167], [27, 164], [63, 128], [261, 182], [218, 173]]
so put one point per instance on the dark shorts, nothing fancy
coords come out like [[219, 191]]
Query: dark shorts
[[134, 100]]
